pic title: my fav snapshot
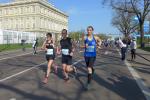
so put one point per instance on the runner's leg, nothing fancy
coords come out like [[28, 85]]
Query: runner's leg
[[48, 71], [50, 62], [65, 71]]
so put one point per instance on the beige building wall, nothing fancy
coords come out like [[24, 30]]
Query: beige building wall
[[37, 16]]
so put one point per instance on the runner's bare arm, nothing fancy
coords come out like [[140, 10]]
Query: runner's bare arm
[[53, 43], [58, 50], [73, 46], [83, 38], [44, 45], [98, 40]]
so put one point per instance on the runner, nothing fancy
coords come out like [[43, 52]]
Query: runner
[[48, 46], [34, 46], [90, 42], [67, 53]]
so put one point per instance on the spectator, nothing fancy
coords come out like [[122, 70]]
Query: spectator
[[133, 47]]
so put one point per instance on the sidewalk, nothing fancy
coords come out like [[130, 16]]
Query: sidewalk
[[142, 65], [144, 54]]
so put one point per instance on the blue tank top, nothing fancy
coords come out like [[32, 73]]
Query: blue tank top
[[90, 51]]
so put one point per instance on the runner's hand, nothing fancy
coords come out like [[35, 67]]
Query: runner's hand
[[86, 45], [58, 52], [42, 48], [71, 54]]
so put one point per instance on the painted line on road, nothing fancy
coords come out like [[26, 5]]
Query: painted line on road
[[22, 72], [14, 75], [142, 85], [77, 62], [106, 52], [18, 55]]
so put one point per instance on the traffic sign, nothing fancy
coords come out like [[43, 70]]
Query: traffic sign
[[146, 26]]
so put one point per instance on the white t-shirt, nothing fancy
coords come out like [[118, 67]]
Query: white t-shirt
[[133, 45], [121, 44], [34, 42]]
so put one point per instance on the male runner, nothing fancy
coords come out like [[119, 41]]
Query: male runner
[[67, 53]]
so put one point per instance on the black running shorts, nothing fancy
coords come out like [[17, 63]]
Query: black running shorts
[[50, 57], [90, 61], [67, 59]]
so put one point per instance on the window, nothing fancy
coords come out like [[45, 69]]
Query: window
[[25, 9], [45, 11], [33, 8], [3, 11], [50, 12], [42, 10], [21, 10], [16, 10], [0, 23], [28, 23], [6, 11], [0, 12], [28, 9]]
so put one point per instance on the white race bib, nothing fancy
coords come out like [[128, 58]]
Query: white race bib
[[65, 51], [49, 52], [90, 49]]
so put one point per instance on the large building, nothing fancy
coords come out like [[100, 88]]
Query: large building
[[37, 16]]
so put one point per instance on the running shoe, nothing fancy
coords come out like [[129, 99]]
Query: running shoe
[[45, 81], [67, 80], [56, 69], [93, 71], [74, 69], [87, 87]]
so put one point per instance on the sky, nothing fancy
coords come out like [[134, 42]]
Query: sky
[[83, 13]]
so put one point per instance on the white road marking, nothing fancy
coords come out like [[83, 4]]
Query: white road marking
[[22, 72], [142, 85], [12, 99], [14, 75], [106, 52], [77, 62], [17, 56]]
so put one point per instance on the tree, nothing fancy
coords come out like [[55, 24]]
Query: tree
[[140, 8], [75, 35], [124, 22], [103, 36]]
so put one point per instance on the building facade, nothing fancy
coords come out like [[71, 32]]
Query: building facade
[[37, 16]]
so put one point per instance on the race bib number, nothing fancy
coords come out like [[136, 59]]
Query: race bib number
[[49, 52], [65, 51], [90, 49]]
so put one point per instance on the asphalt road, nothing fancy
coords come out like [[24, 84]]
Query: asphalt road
[[21, 79]]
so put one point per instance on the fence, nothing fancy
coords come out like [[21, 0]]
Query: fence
[[13, 39]]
